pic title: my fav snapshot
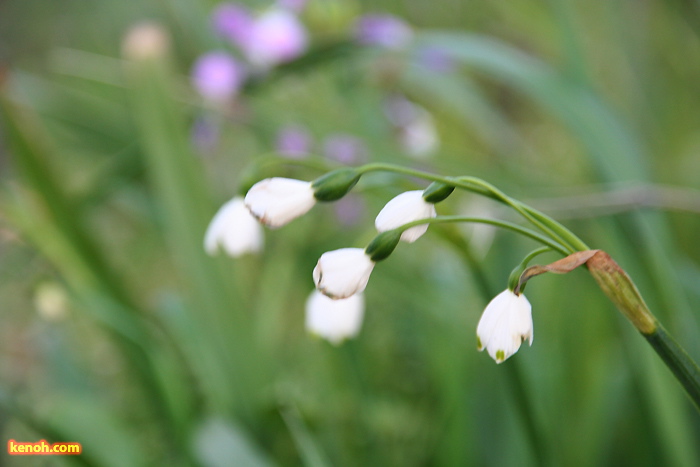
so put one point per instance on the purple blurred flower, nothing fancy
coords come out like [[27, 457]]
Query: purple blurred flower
[[345, 149], [399, 110], [436, 59], [383, 31], [217, 76], [233, 22], [276, 37], [293, 141], [349, 209]]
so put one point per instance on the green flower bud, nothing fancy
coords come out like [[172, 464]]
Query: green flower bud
[[436, 192], [335, 184], [383, 245], [514, 280]]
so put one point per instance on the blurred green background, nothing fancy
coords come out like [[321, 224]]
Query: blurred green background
[[120, 333]]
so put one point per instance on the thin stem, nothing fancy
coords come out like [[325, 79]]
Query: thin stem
[[497, 223], [517, 384], [546, 224], [678, 361], [272, 159]]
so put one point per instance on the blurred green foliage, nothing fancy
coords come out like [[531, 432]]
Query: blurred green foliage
[[156, 354]]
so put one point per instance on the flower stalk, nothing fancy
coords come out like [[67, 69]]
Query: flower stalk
[[620, 289], [612, 279]]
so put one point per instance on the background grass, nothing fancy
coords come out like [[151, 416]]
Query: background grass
[[165, 355]]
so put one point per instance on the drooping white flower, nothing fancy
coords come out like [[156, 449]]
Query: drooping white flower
[[334, 320], [343, 273], [505, 324], [407, 207], [277, 201], [234, 229]]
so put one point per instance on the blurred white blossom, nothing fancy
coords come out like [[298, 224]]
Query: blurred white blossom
[[415, 127], [145, 41], [334, 320], [51, 301], [234, 229]]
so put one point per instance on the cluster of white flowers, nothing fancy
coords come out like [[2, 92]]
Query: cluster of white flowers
[[335, 309]]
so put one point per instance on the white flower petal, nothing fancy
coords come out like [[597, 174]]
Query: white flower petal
[[234, 229], [406, 207], [504, 325], [343, 273], [334, 320], [277, 201]]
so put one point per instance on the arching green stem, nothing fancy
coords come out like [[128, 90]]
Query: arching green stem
[[547, 225], [497, 223]]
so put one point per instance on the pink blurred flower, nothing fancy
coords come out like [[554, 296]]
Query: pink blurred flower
[[276, 37], [349, 210], [383, 31], [435, 59], [217, 76], [233, 22], [293, 141], [346, 149]]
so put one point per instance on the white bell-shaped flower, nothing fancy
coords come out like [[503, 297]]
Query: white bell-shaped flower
[[406, 207], [505, 324], [334, 320], [343, 273], [234, 229], [277, 201]]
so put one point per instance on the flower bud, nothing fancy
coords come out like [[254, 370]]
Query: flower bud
[[334, 185], [343, 273], [436, 192], [277, 201], [404, 208], [383, 245]]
